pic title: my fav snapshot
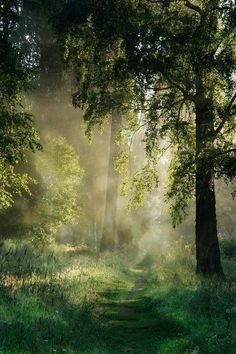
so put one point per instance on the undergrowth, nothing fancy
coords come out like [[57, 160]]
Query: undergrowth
[[52, 301], [200, 313], [48, 300]]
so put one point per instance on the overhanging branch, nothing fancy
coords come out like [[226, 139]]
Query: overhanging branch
[[226, 114], [193, 7], [187, 4], [185, 93]]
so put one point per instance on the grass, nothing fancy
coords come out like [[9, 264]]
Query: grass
[[203, 312], [48, 302], [68, 300]]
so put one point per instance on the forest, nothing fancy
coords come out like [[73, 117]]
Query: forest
[[118, 176]]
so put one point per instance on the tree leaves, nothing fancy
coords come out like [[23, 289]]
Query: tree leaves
[[154, 57], [17, 134]]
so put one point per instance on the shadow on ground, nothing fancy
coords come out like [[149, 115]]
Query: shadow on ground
[[123, 323], [124, 319], [130, 322]]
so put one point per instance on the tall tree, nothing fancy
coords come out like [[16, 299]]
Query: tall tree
[[109, 232], [48, 57], [174, 61]]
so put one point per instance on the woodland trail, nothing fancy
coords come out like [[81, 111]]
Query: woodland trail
[[131, 325]]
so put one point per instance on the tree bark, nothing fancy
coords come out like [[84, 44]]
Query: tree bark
[[109, 232], [207, 244]]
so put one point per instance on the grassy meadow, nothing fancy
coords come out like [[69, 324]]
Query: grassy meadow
[[69, 300]]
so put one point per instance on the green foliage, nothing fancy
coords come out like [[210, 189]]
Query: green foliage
[[59, 201], [40, 237], [12, 183], [17, 135], [162, 59], [136, 187], [144, 181], [135, 184], [122, 166], [178, 195]]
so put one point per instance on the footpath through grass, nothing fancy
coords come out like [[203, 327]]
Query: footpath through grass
[[66, 300], [130, 324]]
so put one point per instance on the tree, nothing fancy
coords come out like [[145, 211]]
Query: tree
[[17, 134], [174, 61], [109, 232], [58, 199], [48, 81]]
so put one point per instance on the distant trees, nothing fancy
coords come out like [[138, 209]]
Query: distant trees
[[58, 199], [110, 223], [173, 61]]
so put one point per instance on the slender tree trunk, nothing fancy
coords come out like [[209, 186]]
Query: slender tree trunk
[[109, 232], [207, 245]]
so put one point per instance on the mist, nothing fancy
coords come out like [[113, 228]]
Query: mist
[[117, 177]]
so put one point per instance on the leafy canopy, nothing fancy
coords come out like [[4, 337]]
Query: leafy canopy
[[150, 56], [17, 134]]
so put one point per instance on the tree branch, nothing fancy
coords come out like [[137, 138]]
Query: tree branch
[[224, 120], [156, 89], [231, 150], [160, 1], [193, 7], [185, 93], [187, 4]]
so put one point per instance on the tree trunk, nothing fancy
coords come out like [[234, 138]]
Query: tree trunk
[[207, 245], [109, 232]]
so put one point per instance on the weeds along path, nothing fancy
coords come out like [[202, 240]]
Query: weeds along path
[[126, 314]]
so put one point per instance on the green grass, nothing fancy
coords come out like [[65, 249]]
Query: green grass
[[68, 300], [203, 312], [49, 302]]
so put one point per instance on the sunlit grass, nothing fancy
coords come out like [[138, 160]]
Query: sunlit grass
[[48, 301], [74, 301]]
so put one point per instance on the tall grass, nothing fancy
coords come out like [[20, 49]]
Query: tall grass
[[49, 300], [199, 314], [53, 301]]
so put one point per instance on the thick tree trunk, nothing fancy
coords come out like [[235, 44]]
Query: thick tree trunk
[[109, 232], [207, 245]]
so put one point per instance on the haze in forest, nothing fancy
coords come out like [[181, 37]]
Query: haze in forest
[[117, 176]]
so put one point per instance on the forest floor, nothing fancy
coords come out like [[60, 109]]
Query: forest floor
[[70, 300]]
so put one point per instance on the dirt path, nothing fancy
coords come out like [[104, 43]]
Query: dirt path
[[127, 315]]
